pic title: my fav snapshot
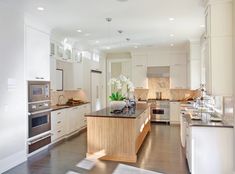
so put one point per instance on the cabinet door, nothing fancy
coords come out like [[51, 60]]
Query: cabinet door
[[139, 71], [139, 76], [195, 74], [58, 126], [85, 110], [37, 54], [53, 73], [178, 76], [78, 75], [73, 120], [174, 112]]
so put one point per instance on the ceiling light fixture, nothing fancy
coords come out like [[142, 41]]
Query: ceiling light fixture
[[172, 45], [97, 41], [40, 9], [135, 46], [79, 31], [120, 31], [172, 35], [108, 48], [171, 19], [108, 19]]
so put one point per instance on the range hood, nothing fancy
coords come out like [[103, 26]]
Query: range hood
[[158, 71]]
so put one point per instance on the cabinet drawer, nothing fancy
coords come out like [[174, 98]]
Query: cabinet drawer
[[57, 134]]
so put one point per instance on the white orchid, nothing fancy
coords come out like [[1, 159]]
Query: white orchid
[[122, 83], [123, 78]]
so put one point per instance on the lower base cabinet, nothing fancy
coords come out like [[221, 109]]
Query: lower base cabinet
[[58, 124], [65, 122], [174, 112], [209, 150]]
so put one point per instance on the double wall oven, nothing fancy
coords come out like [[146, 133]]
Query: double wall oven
[[39, 117], [160, 110]]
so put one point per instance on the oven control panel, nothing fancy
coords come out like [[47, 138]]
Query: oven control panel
[[38, 106]]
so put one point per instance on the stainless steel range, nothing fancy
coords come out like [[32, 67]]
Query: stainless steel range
[[159, 110]]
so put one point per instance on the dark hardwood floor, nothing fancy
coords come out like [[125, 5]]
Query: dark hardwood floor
[[161, 152]]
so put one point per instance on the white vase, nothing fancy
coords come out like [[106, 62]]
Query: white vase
[[117, 105]]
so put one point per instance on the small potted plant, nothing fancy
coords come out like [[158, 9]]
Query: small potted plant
[[120, 85]]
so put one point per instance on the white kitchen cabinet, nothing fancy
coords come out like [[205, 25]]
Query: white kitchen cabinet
[[194, 65], [139, 71], [53, 73], [37, 53], [178, 76], [73, 119], [68, 74], [194, 74], [85, 109], [218, 48], [76, 119], [174, 112], [78, 75], [209, 146], [58, 124]]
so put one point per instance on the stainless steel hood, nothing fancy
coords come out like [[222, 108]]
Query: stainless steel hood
[[158, 71]]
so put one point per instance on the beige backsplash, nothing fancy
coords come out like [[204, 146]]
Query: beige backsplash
[[163, 85], [75, 94]]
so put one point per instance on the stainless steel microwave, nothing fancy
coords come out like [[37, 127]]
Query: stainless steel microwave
[[38, 91]]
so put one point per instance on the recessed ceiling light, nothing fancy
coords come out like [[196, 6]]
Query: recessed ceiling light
[[97, 41], [79, 31], [40, 8], [135, 46], [120, 31], [202, 26], [172, 35], [108, 19], [108, 48], [171, 19], [172, 45]]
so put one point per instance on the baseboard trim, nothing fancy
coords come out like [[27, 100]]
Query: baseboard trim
[[12, 161]]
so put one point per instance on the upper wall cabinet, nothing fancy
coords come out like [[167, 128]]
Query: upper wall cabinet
[[37, 50], [218, 48], [194, 66], [139, 71], [178, 76]]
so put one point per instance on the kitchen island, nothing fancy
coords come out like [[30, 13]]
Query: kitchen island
[[118, 135]]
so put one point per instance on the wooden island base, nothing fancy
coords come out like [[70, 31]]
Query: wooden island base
[[119, 138]]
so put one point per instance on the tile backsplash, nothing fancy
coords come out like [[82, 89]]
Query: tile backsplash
[[75, 94], [162, 84]]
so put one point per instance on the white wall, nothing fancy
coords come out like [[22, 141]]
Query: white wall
[[13, 118]]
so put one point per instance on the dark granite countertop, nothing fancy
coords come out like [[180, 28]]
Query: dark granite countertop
[[227, 123], [127, 112], [56, 107]]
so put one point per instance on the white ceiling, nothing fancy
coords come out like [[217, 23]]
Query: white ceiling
[[145, 22]]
